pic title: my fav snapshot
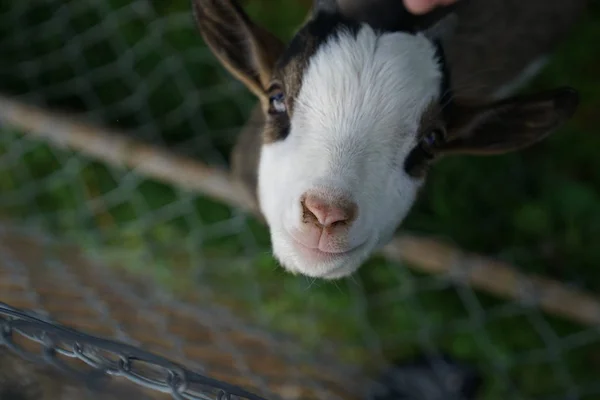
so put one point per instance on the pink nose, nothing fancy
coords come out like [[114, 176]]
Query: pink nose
[[328, 212]]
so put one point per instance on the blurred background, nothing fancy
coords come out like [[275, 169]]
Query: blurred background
[[140, 67]]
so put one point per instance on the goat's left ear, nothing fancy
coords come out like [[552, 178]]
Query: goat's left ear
[[507, 125], [248, 51]]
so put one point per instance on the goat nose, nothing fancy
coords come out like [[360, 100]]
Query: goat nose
[[327, 213]]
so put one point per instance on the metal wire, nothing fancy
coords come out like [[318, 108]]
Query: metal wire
[[117, 359], [59, 281]]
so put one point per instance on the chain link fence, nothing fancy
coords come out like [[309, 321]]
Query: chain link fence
[[66, 287], [127, 245]]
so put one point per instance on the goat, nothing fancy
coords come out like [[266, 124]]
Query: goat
[[363, 100]]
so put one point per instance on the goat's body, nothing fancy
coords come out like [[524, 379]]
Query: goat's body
[[497, 46], [500, 44]]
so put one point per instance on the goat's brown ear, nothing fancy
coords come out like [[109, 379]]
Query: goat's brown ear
[[508, 125], [246, 50]]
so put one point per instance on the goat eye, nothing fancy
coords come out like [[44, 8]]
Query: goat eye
[[432, 139], [419, 159], [277, 103]]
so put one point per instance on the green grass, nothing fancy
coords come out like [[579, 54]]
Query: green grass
[[545, 220]]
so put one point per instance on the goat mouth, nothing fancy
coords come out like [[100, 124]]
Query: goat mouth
[[315, 255]]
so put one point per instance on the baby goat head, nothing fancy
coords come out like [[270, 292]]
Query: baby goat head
[[356, 109]]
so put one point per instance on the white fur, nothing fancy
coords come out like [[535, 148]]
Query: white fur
[[354, 122]]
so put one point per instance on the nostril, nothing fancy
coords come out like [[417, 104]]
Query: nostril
[[337, 212]]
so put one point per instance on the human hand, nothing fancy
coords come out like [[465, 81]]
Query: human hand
[[423, 6]]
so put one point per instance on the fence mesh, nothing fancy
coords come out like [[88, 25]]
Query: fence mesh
[[58, 281], [140, 66]]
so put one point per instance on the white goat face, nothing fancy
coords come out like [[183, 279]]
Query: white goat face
[[355, 120], [355, 112]]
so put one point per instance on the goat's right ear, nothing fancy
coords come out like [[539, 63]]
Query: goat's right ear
[[246, 50], [508, 125]]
